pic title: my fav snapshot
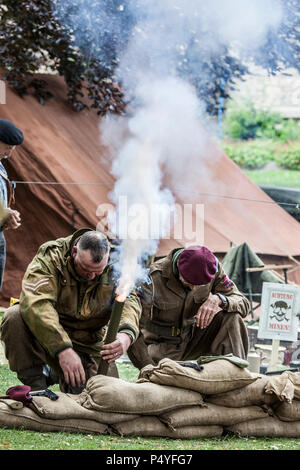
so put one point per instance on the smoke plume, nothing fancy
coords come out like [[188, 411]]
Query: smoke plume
[[162, 45]]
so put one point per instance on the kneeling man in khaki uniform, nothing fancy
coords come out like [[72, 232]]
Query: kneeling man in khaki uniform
[[190, 308], [65, 304]]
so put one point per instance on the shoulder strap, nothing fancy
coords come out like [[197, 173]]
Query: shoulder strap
[[10, 189]]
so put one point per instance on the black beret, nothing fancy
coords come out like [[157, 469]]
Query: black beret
[[9, 133]]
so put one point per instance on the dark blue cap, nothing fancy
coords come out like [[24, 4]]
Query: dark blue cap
[[9, 133]]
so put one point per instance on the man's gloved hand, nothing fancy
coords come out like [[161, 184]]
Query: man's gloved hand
[[112, 351], [72, 368]]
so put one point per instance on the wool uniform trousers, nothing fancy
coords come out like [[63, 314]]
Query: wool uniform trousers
[[226, 334], [32, 363]]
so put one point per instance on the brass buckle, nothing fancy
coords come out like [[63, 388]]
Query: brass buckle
[[175, 331]]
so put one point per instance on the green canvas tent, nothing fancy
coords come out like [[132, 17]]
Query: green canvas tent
[[288, 198], [236, 263]]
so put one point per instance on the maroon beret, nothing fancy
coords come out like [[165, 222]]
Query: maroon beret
[[20, 393], [197, 265]]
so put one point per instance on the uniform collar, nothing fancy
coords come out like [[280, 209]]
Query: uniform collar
[[165, 266]]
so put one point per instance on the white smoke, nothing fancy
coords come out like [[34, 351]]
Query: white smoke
[[166, 29], [164, 131], [245, 23]]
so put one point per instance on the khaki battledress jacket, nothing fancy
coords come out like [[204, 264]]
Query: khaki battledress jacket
[[167, 325], [63, 311]]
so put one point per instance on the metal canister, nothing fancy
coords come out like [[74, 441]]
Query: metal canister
[[254, 360]]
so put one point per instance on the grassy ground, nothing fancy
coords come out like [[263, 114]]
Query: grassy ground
[[29, 440], [285, 178]]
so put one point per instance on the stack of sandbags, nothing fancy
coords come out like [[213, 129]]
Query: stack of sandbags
[[104, 405], [43, 414], [241, 402], [174, 408], [218, 377], [282, 393], [65, 414], [170, 400], [145, 401]]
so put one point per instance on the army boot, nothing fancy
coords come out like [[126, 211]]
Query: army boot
[[51, 375], [33, 377]]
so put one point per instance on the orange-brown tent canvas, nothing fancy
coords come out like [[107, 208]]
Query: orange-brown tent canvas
[[62, 146]]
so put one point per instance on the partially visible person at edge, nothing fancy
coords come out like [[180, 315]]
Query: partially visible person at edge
[[190, 308], [56, 333], [10, 137]]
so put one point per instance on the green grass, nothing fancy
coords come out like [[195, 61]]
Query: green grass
[[29, 440], [284, 178]]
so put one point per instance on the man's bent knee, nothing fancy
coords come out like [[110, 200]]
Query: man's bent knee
[[11, 315], [11, 323], [22, 350]]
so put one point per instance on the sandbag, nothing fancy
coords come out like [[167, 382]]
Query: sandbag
[[252, 394], [216, 377], [210, 415], [267, 427], [28, 419], [67, 406], [288, 411], [285, 386], [114, 395], [151, 426], [195, 432]]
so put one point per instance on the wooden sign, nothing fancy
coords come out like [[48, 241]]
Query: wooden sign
[[280, 310]]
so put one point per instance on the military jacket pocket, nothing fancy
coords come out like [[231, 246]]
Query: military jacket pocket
[[166, 311], [101, 301], [67, 296]]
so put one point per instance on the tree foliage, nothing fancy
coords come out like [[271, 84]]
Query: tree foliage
[[32, 37]]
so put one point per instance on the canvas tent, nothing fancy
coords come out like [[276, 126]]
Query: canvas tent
[[289, 198], [249, 273], [61, 178]]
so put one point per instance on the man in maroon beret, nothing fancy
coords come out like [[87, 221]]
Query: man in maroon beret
[[190, 309]]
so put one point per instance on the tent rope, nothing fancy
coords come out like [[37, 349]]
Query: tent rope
[[290, 204], [56, 182]]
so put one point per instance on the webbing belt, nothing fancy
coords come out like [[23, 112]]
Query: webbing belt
[[165, 330]]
